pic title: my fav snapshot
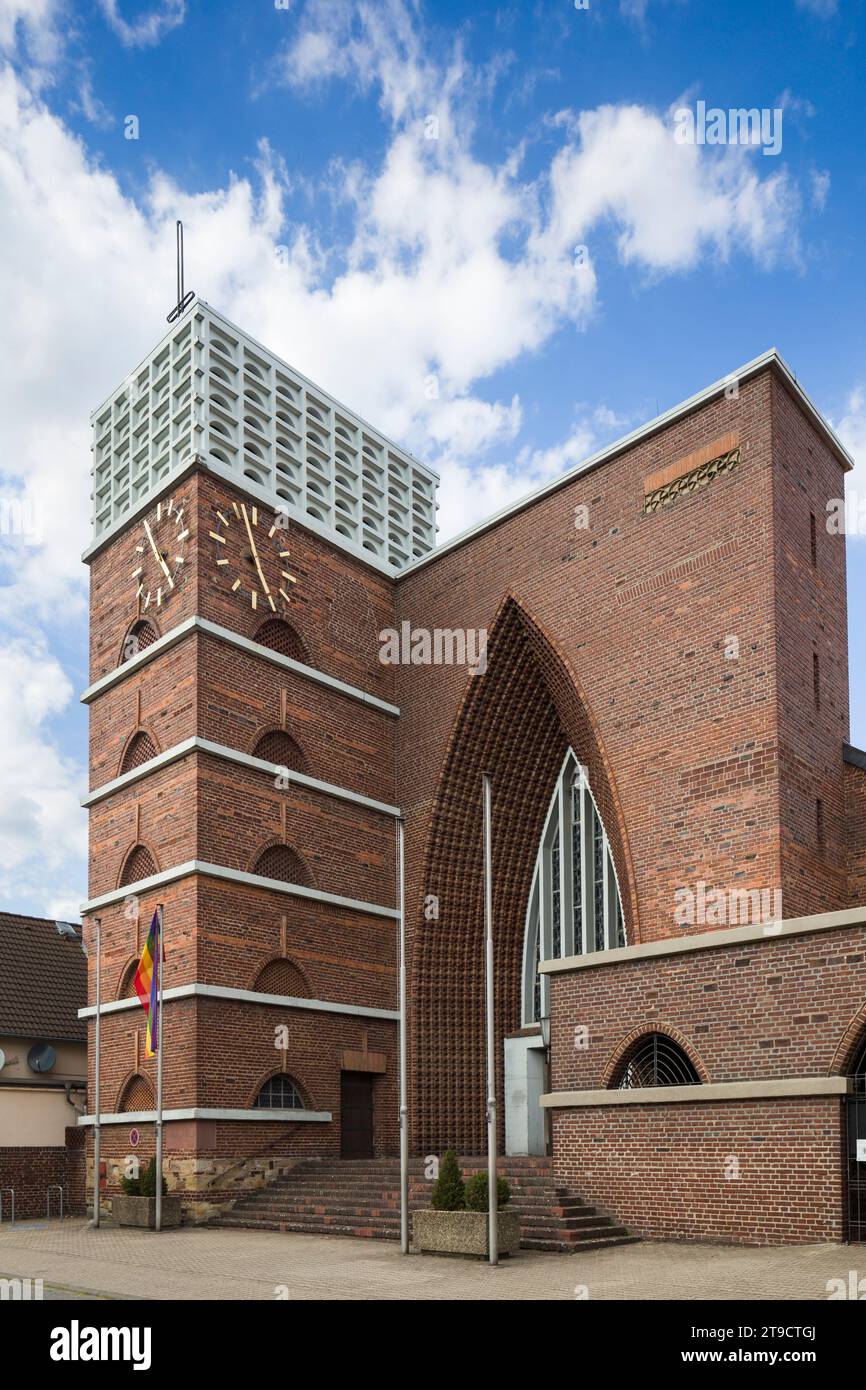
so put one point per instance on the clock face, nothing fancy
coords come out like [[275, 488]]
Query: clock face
[[253, 556], [159, 553]]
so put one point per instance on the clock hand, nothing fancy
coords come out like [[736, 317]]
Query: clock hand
[[153, 547], [253, 548]]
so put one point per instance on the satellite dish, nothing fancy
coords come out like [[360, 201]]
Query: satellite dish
[[41, 1057]]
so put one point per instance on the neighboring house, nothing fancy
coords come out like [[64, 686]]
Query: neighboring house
[[43, 1055]]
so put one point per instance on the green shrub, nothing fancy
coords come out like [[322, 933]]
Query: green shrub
[[477, 1190], [448, 1188], [145, 1184]]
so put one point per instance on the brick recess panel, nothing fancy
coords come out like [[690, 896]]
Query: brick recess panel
[[855, 808], [662, 1169]]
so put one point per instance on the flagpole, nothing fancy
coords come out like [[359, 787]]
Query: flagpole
[[404, 1105], [96, 1127], [492, 1189], [158, 966]]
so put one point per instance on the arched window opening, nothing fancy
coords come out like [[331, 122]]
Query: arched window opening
[[137, 1095], [139, 864], [280, 748], [575, 905], [858, 1072], [281, 862], [140, 749], [140, 636], [279, 1093], [282, 977], [126, 988], [280, 636], [655, 1060]]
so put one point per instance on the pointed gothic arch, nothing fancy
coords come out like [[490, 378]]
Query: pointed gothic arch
[[517, 721]]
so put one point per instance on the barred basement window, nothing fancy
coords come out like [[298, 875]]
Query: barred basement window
[[574, 903], [280, 636], [281, 862], [279, 1093], [655, 1060]]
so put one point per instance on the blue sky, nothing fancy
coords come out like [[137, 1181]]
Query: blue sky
[[320, 215]]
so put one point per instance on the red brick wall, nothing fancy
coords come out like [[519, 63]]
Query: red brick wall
[[661, 1169], [772, 1008], [855, 809], [29, 1170], [811, 617]]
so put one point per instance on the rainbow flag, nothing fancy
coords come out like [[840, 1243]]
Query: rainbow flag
[[146, 984]]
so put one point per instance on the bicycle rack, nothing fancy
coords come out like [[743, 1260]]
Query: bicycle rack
[[12, 1190], [53, 1187]]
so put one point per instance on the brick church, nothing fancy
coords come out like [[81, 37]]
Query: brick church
[[649, 658]]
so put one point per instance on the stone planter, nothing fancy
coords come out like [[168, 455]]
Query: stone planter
[[141, 1211], [463, 1233]]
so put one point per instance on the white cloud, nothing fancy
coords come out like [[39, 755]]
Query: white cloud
[[32, 25], [820, 184], [147, 29], [39, 810], [851, 429], [823, 9], [454, 267]]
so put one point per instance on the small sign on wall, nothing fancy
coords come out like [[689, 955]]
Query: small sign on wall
[[861, 1150]]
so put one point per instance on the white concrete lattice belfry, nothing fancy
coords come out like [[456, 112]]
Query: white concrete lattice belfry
[[209, 392]]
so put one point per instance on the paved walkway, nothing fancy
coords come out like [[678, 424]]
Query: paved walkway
[[196, 1263]]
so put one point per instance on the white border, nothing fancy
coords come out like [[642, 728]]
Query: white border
[[199, 866], [234, 639], [233, 755]]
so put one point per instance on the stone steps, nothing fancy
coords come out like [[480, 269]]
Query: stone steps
[[362, 1198]]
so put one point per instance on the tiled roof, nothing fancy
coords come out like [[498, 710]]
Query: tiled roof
[[43, 980]]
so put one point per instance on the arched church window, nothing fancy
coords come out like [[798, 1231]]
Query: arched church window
[[655, 1060], [574, 902], [279, 1093]]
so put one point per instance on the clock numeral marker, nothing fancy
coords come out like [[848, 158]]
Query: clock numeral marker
[[215, 536], [291, 578], [285, 595], [255, 516], [271, 602], [284, 554], [183, 535], [237, 513], [136, 572], [223, 519], [236, 585], [253, 597], [222, 562]]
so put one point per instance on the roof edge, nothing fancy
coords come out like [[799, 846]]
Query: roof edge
[[771, 359]]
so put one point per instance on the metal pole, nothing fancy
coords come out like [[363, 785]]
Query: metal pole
[[96, 1126], [404, 1102], [492, 1192], [158, 965]]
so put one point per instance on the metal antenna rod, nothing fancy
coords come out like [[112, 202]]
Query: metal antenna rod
[[183, 299]]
